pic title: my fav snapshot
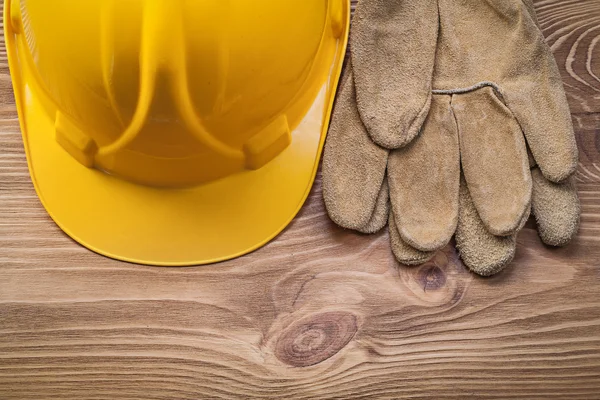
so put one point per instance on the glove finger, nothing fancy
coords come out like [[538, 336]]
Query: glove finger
[[546, 122], [381, 212], [482, 252], [404, 253], [538, 100], [494, 160], [353, 166], [556, 209], [424, 179], [393, 52]]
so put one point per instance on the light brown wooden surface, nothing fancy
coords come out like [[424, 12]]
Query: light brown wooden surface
[[318, 313]]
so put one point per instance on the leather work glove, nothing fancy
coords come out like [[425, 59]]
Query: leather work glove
[[495, 95]]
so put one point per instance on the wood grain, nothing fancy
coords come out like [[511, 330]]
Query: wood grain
[[318, 313]]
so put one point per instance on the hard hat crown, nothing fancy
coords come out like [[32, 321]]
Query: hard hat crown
[[176, 92]]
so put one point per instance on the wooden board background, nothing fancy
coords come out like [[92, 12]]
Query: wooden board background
[[318, 313]]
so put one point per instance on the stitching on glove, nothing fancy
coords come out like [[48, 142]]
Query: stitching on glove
[[470, 89]]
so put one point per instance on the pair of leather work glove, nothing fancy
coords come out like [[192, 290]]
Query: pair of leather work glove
[[451, 120]]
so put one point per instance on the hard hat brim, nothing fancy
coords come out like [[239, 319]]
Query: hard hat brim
[[198, 225]]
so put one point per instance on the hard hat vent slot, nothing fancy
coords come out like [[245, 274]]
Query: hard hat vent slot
[[337, 13], [76, 142], [15, 17], [268, 143]]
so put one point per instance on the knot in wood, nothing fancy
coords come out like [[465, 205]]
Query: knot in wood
[[431, 277], [316, 338]]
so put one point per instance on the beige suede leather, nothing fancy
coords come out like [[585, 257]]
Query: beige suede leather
[[494, 160], [495, 92], [556, 209], [393, 45], [381, 211], [354, 169], [403, 252], [353, 166], [493, 57], [484, 253], [499, 41], [424, 179]]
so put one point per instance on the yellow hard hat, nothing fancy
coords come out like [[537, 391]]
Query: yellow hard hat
[[174, 132]]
